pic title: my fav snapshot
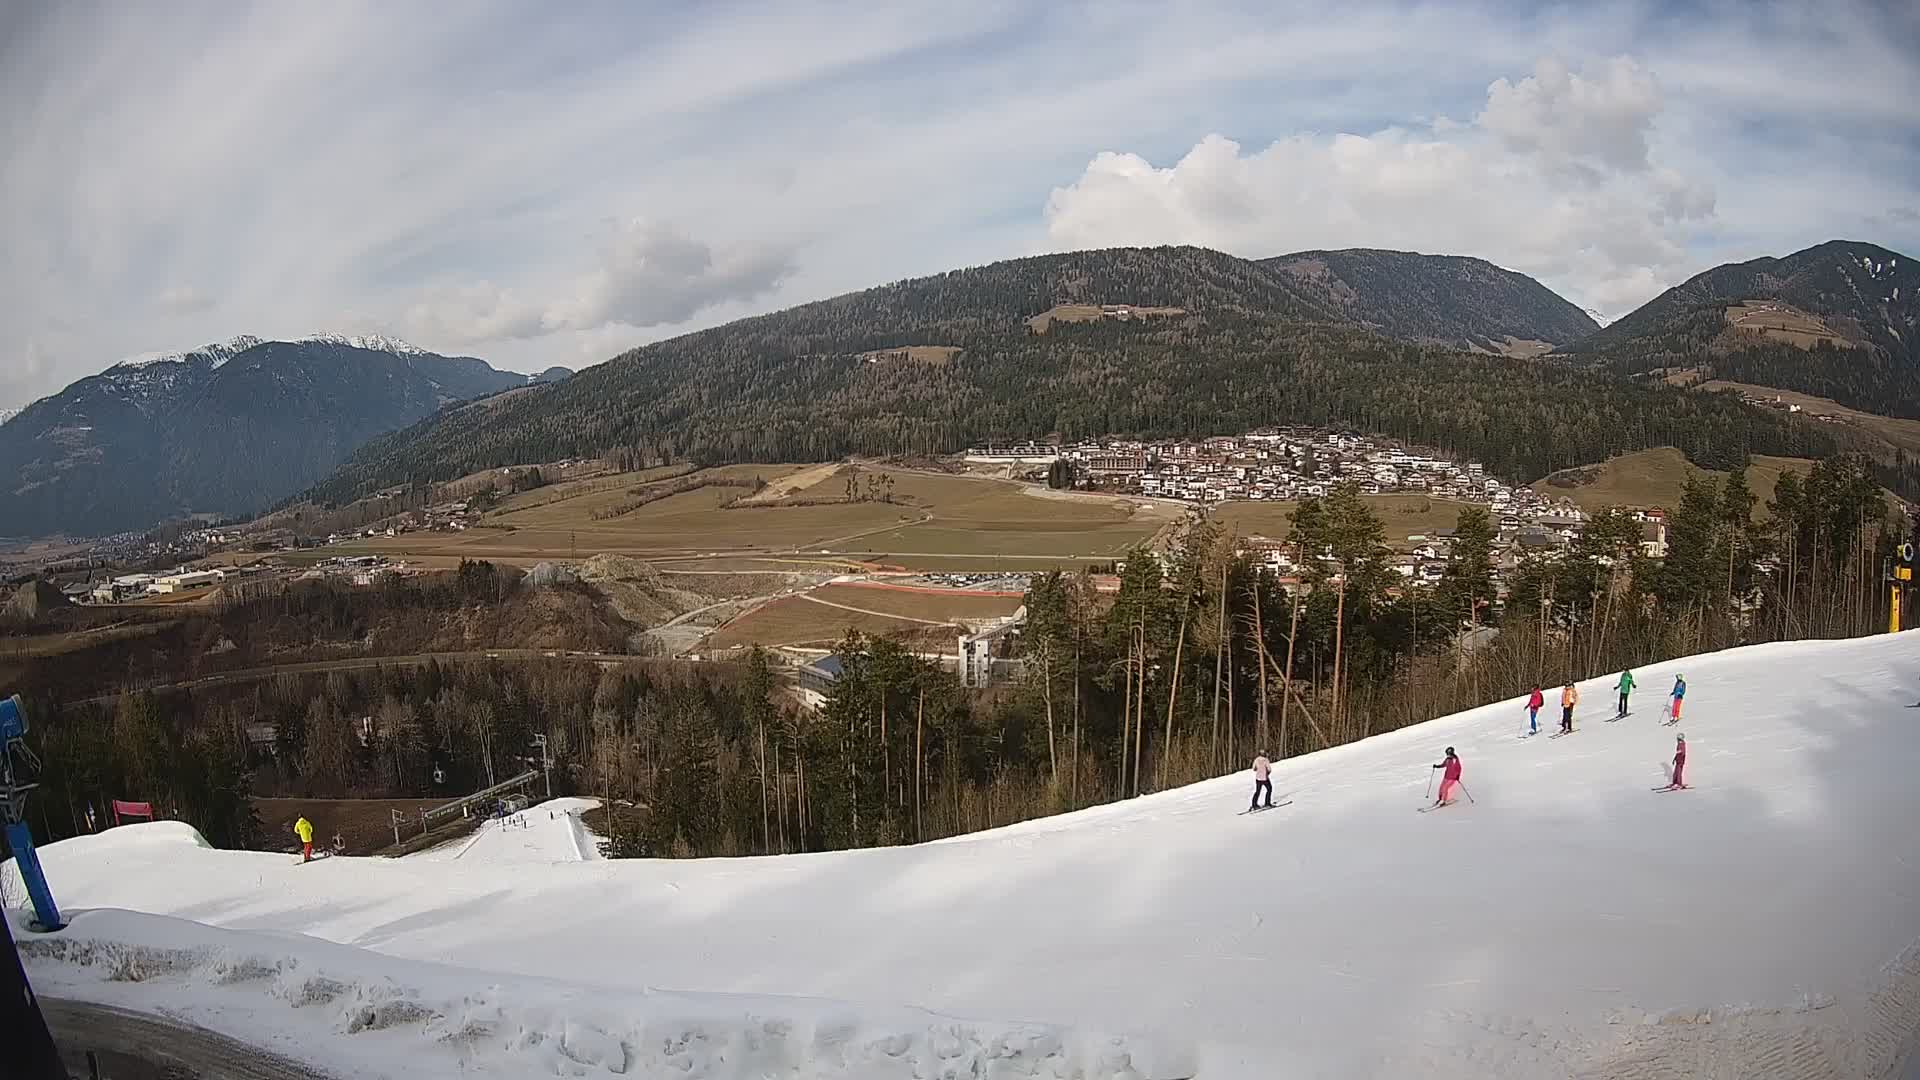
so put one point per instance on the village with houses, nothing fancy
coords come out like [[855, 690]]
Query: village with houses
[[1285, 465]]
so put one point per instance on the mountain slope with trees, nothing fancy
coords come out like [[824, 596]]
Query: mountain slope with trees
[[1444, 299], [224, 429], [1253, 347], [1840, 320]]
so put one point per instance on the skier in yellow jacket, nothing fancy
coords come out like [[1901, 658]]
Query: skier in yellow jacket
[[1569, 697], [304, 830]]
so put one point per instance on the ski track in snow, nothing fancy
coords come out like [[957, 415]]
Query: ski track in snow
[[1565, 923]]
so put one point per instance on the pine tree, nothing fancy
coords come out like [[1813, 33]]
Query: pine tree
[[1467, 583]]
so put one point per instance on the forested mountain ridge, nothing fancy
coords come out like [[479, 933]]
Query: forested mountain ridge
[[1443, 299], [225, 429], [1838, 320], [1251, 349]]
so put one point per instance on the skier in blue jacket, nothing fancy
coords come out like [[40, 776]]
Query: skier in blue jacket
[[1679, 692]]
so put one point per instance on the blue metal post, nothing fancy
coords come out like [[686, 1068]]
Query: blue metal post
[[13, 802], [20, 839]]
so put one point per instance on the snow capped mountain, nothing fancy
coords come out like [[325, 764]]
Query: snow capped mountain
[[1599, 318], [376, 342], [8, 414], [214, 355], [187, 431], [1569, 917]]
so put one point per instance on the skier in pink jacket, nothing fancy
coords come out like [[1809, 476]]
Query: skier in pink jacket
[[1449, 779], [1262, 781]]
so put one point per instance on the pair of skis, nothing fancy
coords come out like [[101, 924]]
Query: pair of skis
[[1257, 809]]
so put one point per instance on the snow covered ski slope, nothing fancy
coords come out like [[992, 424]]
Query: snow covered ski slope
[[1567, 923], [541, 835]]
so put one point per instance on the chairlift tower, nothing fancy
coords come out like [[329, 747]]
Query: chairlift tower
[[546, 762], [17, 762]]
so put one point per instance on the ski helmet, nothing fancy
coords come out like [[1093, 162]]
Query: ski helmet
[[1449, 751], [1680, 738]]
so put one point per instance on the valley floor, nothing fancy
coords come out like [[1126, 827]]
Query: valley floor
[[1569, 921]]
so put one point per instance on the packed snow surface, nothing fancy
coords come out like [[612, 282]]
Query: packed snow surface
[[551, 832], [1570, 921]]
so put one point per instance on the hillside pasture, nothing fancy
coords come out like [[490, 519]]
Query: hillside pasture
[[793, 620], [1080, 313], [937, 605], [1658, 477], [929, 515], [1653, 477], [1889, 433], [1769, 320], [930, 355]]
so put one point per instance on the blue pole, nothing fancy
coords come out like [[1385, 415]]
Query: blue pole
[[13, 800], [20, 839]]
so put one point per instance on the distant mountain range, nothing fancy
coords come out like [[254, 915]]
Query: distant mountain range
[[224, 429], [1171, 341], [1840, 320], [1450, 352]]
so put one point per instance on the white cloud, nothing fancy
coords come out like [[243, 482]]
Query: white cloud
[[1594, 120], [449, 173], [655, 275], [649, 275], [1553, 178], [183, 300]]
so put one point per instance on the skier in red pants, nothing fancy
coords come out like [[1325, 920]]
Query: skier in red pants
[[1679, 761], [1449, 779]]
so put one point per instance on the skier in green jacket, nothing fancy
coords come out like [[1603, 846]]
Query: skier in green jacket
[[1625, 686]]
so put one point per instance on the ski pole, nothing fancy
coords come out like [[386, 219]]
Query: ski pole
[[1429, 783], [1463, 789]]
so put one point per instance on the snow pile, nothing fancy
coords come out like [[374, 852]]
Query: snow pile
[[360, 1014], [1568, 922]]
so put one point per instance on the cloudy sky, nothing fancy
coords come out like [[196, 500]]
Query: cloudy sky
[[550, 184]]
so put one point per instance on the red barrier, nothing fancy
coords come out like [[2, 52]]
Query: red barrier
[[123, 810]]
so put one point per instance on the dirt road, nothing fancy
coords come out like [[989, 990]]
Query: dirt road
[[137, 1046]]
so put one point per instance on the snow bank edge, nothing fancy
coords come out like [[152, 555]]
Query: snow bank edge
[[318, 1000]]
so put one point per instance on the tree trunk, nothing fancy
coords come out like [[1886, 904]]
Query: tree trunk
[[1286, 677], [1173, 696], [1339, 636], [780, 797], [1260, 643], [919, 760], [853, 776], [1232, 755], [1053, 758], [1126, 719], [766, 819], [1219, 661], [1140, 708], [800, 793], [1073, 798]]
